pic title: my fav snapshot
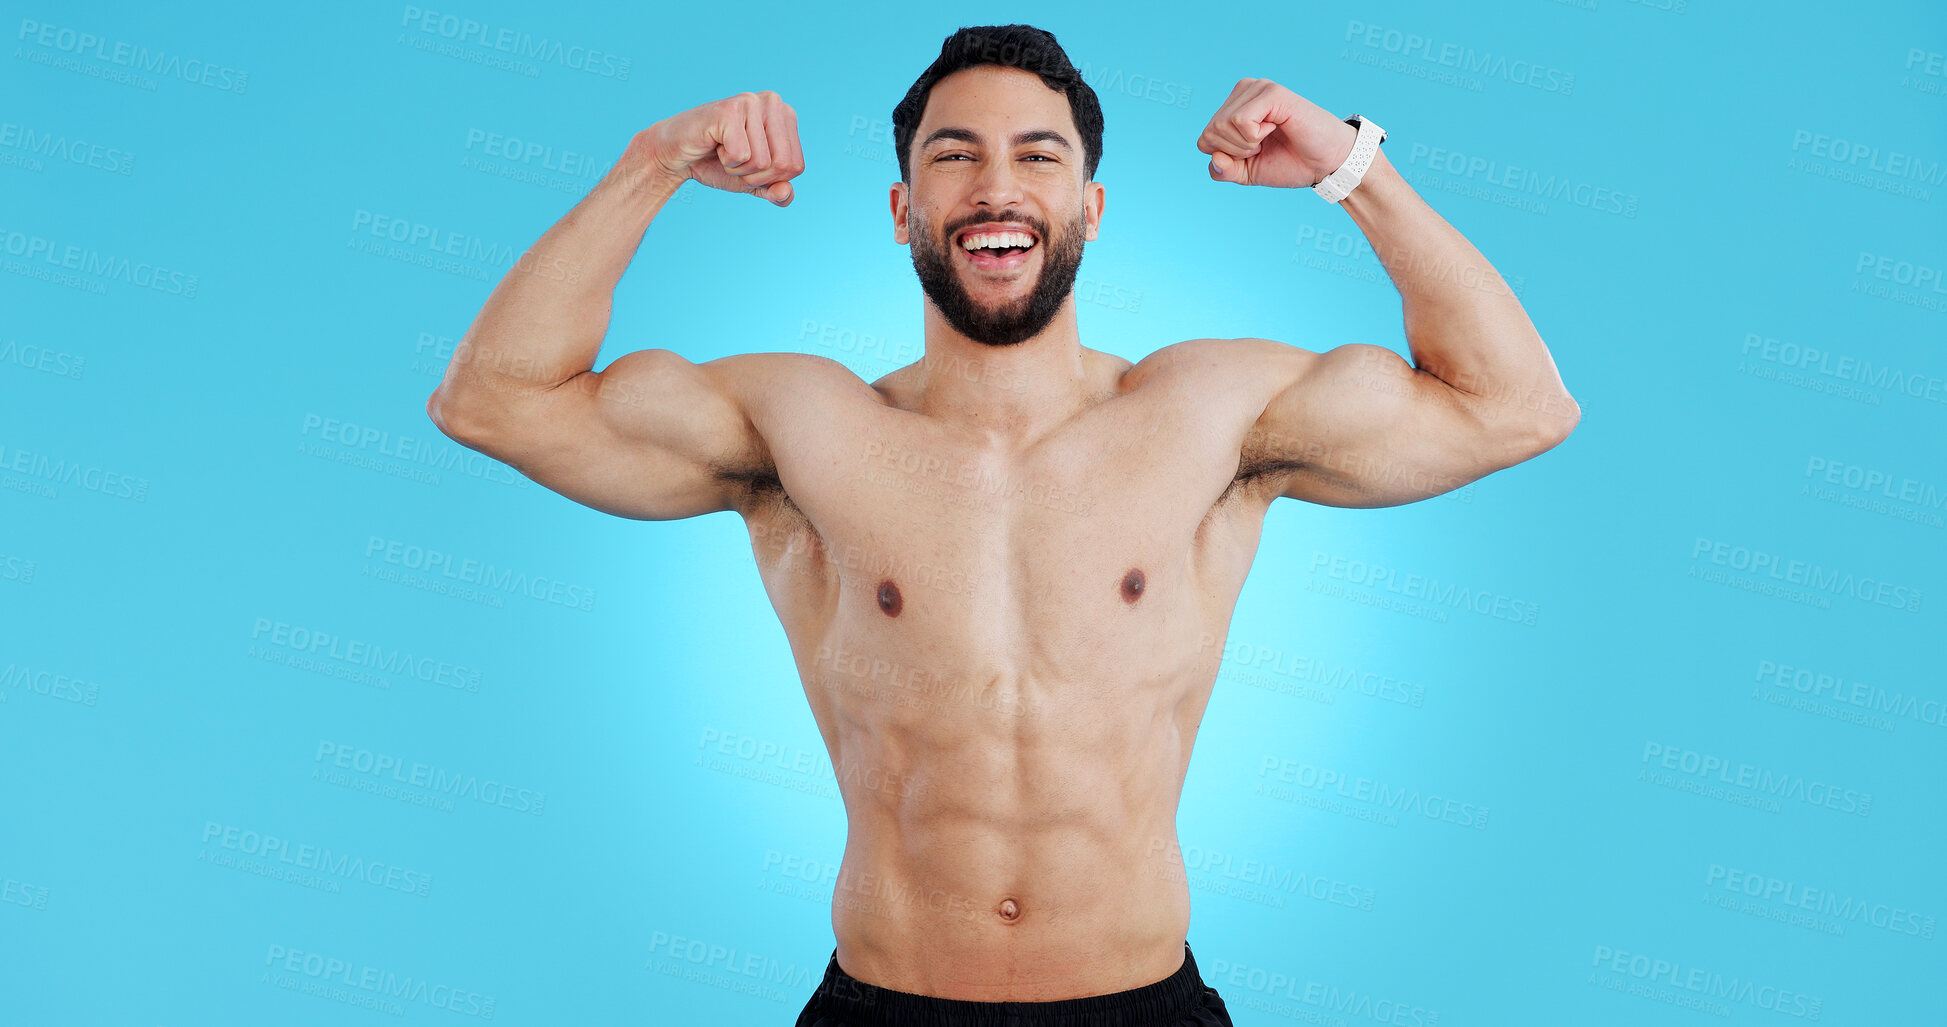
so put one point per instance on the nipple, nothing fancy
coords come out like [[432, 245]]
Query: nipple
[[1009, 911], [1132, 585], [889, 600]]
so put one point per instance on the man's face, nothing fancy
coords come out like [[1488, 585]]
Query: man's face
[[996, 151]]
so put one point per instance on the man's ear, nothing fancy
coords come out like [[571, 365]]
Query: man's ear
[[1093, 196], [899, 213]]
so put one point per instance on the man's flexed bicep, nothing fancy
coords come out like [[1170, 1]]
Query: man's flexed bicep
[[652, 436], [1357, 426]]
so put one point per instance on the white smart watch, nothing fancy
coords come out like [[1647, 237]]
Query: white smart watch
[[1339, 184]]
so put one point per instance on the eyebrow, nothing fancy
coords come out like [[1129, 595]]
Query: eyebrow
[[1033, 135]]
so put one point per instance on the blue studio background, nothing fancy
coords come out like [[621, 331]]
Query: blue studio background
[[1662, 742]]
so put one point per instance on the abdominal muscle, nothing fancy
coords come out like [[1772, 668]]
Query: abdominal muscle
[[1021, 847]]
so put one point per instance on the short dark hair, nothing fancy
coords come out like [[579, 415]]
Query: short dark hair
[[1009, 46]]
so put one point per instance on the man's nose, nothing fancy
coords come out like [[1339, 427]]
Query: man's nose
[[998, 184]]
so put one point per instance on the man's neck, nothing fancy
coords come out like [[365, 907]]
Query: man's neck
[[1017, 392]]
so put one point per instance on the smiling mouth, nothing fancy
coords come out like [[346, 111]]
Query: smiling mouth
[[996, 247]]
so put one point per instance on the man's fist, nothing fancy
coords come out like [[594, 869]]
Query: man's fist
[[746, 143], [1265, 134]]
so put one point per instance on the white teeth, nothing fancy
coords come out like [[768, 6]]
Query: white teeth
[[996, 240]]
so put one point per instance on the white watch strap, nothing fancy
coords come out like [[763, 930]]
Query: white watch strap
[[1339, 184]]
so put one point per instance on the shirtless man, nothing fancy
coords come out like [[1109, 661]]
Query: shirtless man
[[1006, 571]]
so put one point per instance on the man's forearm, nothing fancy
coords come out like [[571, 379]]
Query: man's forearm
[[1463, 324], [545, 321]]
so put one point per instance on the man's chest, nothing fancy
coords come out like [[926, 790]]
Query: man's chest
[[1104, 526]]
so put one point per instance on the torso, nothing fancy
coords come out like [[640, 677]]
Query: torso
[[1008, 654]]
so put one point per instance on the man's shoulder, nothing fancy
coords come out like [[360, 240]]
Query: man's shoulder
[[787, 373], [1210, 361]]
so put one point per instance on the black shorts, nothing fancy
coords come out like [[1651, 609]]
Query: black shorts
[[1179, 1000]]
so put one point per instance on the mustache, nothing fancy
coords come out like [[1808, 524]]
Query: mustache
[[997, 219]]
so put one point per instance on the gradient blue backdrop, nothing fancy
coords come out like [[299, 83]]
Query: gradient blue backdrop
[[266, 760]]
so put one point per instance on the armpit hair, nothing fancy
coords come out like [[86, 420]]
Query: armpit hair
[[755, 483], [760, 490], [1258, 461]]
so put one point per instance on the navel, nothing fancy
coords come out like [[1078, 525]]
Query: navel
[[1132, 585], [1009, 910], [889, 600]]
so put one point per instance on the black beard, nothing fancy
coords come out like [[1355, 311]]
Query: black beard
[[1014, 322]]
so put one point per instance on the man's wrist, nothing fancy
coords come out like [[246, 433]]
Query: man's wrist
[[642, 173], [1374, 189], [1347, 137]]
